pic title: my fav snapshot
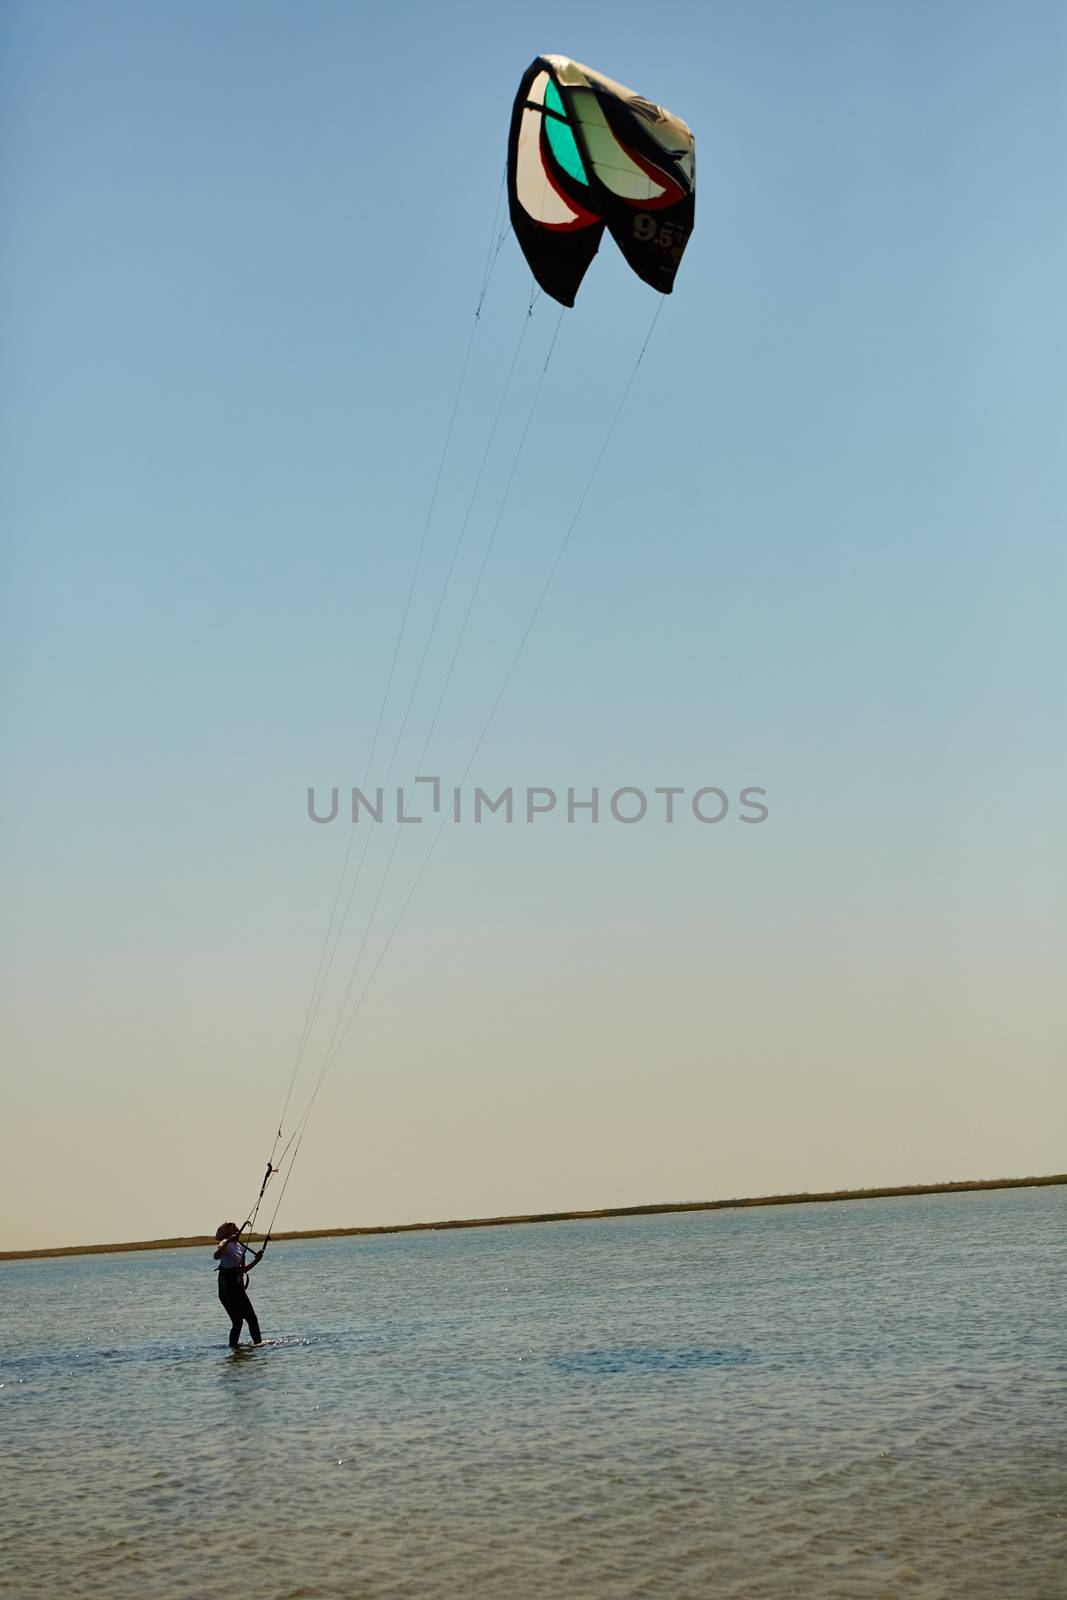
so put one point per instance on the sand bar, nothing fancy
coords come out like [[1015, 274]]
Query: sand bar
[[888, 1192]]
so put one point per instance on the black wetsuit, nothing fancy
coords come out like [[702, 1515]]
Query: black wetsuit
[[234, 1296]]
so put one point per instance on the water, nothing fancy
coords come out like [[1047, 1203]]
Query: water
[[835, 1402]]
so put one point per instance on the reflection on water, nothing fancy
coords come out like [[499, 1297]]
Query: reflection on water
[[835, 1402]]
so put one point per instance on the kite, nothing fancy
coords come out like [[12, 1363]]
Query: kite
[[586, 154]]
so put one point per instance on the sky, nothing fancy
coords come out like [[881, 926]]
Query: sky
[[821, 556]]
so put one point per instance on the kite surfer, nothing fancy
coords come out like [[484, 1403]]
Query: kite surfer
[[234, 1266]]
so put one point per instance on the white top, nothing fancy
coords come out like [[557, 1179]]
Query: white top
[[233, 1255]]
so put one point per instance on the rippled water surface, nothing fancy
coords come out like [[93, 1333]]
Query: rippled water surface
[[849, 1400]]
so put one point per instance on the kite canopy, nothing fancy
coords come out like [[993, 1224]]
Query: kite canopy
[[586, 154]]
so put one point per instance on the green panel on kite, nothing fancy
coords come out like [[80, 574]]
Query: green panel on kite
[[553, 99], [561, 137]]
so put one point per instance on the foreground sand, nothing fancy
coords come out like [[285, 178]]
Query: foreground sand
[[199, 1240]]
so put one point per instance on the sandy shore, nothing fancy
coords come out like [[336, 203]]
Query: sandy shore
[[889, 1192]]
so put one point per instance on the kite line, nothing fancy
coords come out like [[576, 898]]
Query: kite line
[[338, 1039], [497, 237]]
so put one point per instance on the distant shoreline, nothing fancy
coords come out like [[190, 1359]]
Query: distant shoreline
[[887, 1192]]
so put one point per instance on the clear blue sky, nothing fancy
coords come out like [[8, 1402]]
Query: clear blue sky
[[824, 555]]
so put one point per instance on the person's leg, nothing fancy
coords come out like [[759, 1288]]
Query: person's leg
[[233, 1310], [249, 1315]]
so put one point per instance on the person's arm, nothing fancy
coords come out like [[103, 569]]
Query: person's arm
[[256, 1259]]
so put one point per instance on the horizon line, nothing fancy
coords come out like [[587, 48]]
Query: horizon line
[[803, 1197]]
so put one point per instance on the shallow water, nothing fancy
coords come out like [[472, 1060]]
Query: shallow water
[[825, 1401]]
